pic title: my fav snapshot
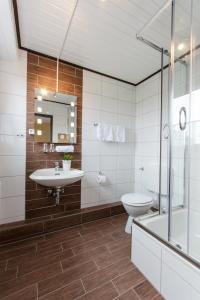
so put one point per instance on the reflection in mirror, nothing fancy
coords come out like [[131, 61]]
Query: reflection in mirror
[[55, 117]]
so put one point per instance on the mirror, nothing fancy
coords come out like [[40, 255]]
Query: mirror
[[55, 117]]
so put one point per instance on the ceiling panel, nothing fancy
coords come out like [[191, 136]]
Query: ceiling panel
[[102, 35]]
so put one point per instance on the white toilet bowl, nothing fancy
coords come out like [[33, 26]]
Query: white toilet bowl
[[135, 205]]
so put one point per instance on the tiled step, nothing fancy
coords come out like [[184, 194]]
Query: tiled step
[[23, 229]]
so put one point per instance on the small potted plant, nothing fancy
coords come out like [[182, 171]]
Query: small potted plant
[[67, 159]]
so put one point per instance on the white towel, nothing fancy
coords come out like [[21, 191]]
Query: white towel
[[65, 149], [105, 133], [120, 134], [110, 133]]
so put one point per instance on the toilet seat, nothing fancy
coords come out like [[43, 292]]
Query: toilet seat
[[136, 199]]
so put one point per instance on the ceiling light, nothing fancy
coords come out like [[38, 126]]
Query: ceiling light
[[72, 134], [72, 124], [39, 121], [72, 103], [72, 114], [39, 97], [181, 46]]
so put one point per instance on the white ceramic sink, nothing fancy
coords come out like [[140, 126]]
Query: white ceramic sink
[[52, 178]]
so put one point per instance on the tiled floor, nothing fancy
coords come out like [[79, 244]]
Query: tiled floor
[[88, 262]]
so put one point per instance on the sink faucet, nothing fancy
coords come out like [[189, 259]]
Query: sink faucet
[[56, 165]]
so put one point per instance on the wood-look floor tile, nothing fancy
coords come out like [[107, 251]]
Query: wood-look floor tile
[[53, 283], [115, 245], [16, 261], [102, 276], [96, 255], [112, 229], [30, 259], [89, 236], [15, 285], [2, 265], [62, 239], [128, 280], [146, 291], [29, 293], [69, 292], [83, 257], [92, 244], [109, 258], [105, 292], [119, 234], [64, 234], [119, 220], [103, 227], [17, 252], [43, 250], [73, 242], [96, 224], [159, 297], [39, 262], [129, 295], [8, 275], [21, 243]]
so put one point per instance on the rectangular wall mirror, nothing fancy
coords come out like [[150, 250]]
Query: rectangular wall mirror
[[55, 117]]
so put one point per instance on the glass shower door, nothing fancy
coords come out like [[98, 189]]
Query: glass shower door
[[179, 112], [194, 142]]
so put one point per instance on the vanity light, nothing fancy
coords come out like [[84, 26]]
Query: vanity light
[[72, 114], [39, 132], [39, 97], [39, 109], [39, 121], [181, 46], [72, 124], [72, 103], [72, 134], [44, 92]]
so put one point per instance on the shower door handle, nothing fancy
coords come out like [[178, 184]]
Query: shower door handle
[[182, 118], [166, 131]]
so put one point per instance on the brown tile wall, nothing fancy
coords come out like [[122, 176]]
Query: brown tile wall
[[41, 73]]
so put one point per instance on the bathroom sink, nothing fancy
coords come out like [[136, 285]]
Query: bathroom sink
[[52, 178]]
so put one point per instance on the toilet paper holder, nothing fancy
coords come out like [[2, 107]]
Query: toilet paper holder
[[101, 178]]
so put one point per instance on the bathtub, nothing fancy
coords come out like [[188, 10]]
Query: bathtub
[[164, 264], [159, 226]]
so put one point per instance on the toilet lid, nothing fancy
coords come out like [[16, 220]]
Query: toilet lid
[[136, 199]]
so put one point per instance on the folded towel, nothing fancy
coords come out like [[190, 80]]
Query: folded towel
[[110, 133], [105, 133], [65, 149], [120, 134]]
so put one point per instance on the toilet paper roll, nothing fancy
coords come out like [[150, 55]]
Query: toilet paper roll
[[101, 179]]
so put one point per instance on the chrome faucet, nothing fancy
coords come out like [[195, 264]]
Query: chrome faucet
[[56, 166]]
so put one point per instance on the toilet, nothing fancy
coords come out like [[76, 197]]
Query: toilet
[[137, 204]]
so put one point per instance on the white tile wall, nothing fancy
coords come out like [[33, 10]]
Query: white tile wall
[[147, 131], [12, 138], [107, 101], [147, 139]]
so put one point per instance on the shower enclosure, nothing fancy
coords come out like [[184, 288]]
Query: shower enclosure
[[178, 41]]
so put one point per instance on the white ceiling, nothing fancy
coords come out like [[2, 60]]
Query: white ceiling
[[102, 36], [8, 40]]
